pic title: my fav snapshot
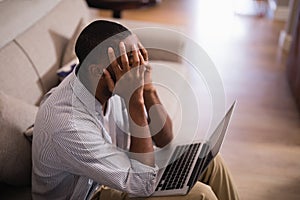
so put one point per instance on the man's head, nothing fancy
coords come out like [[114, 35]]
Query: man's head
[[92, 51], [93, 42]]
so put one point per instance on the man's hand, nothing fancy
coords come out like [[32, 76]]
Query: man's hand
[[130, 85], [129, 79]]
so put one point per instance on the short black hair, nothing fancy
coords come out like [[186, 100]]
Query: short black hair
[[106, 33]]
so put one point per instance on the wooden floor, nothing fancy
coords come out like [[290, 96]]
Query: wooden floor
[[262, 148]]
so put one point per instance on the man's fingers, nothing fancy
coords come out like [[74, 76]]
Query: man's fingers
[[142, 66], [111, 55], [109, 80], [135, 54], [142, 60], [113, 62], [124, 59], [143, 51]]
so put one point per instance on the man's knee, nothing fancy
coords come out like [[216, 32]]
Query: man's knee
[[215, 168], [201, 191]]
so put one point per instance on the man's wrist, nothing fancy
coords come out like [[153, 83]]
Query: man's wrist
[[136, 110], [151, 98], [150, 92]]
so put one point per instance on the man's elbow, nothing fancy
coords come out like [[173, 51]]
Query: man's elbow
[[166, 139], [144, 190], [147, 191]]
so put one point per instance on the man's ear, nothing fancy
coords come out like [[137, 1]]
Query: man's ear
[[94, 71]]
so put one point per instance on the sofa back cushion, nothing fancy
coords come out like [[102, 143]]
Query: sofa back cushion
[[30, 61], [18, 77], [47, 39], [18, 16]]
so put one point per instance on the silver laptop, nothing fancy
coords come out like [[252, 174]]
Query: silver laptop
[[187, 162]]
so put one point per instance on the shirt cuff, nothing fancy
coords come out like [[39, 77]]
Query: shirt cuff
[[147, 174]]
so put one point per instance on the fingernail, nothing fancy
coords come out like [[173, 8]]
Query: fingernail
[[110, 50]]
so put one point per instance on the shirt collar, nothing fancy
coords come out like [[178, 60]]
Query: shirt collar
[[84, 95]]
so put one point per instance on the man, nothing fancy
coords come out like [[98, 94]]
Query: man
[[98, 127]]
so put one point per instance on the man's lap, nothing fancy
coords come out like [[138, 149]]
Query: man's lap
[[200, 191], [215, 181]]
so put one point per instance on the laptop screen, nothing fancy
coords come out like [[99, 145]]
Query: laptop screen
[[211, 148], [216, 139]]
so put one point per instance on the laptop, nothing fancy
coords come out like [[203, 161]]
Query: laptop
[[188, 161]]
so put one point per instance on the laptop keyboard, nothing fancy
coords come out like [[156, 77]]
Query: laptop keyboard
[[176, 172]]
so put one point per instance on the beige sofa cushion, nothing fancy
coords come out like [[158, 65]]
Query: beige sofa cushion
[[69, 52], [46, 40], [17, 76], [18, 16], [15, 155]]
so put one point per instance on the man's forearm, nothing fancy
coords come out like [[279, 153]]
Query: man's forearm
[[160, 123], [141, 146]]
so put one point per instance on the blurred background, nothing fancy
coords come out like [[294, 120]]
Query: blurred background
[[255, 46]]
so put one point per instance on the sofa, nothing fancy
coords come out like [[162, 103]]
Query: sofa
[[37, 39]]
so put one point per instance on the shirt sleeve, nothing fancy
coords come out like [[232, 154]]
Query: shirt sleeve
[[84, 151]]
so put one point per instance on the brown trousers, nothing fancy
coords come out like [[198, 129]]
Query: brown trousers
[[216, 183]]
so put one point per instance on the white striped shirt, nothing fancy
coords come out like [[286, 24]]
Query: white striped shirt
[[74, 146]]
